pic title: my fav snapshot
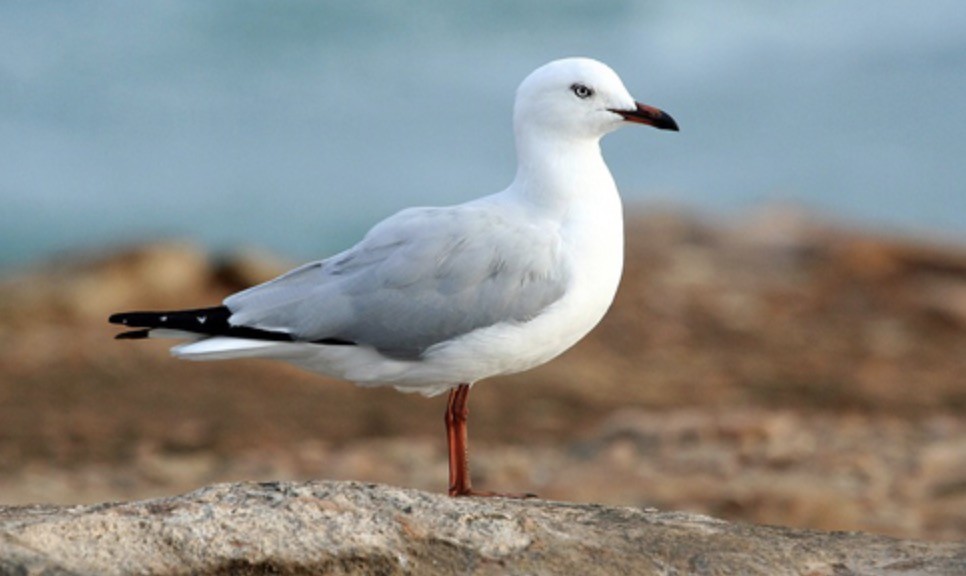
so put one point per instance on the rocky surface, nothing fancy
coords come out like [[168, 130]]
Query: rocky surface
[[354, 528], [771, 369]]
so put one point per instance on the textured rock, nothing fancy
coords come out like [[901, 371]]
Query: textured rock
[[352, 528], [90, 287]]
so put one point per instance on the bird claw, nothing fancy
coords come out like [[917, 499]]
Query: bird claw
[[489, 494]]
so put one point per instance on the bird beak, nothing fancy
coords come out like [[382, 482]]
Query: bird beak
[[644, 114]]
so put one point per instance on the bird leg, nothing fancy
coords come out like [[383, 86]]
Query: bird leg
[[459, 457]]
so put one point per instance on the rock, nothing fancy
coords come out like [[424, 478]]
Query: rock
[[353, 528], [943, 297], [91, 287], [250, 266]]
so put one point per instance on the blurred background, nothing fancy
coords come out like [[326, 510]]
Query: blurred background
[[787, 347], [295, 126]]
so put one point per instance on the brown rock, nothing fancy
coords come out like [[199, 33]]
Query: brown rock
[[149, 275], [249, 267], [943, 297], [352, 528]]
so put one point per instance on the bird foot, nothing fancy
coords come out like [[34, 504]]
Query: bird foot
[[457, 493]]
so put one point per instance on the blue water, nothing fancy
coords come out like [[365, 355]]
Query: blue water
[[296, 125]]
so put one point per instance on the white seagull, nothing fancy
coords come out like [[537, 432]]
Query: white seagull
[[436, 299]]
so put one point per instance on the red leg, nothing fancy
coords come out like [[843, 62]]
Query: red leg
[[459, 464], [459, 456]]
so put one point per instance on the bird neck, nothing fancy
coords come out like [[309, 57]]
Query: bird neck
[[556, 173]]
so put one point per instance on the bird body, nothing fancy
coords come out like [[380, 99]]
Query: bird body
[[431, 324], [441, 297]]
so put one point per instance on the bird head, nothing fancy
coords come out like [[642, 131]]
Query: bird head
[[580, 98]]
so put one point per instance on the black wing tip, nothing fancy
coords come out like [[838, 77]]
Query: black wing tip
[[213, 321], [335, 342], [119, 318], [138, 319], [134, 335], [179, 319]]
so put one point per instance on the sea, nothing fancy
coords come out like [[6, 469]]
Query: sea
[[294, 125]]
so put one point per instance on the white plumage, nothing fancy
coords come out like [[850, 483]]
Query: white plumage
[[435, 297]]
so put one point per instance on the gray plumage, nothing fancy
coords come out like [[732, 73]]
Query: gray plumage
[[421, 277]]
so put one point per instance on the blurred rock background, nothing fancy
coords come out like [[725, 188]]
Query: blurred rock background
[[770, 369]]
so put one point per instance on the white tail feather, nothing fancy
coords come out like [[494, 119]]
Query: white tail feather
[[168, 333], [227, 348]]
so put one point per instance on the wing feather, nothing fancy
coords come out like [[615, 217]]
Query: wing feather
[[418, 278]]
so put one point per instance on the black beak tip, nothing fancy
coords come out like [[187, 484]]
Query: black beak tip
[[665, 122]]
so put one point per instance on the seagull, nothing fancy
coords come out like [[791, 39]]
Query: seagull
[[434, 299]]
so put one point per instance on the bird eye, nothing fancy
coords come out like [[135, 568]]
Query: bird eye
[[581, 91]]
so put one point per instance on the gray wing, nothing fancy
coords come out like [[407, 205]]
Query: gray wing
[[418, 278]]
